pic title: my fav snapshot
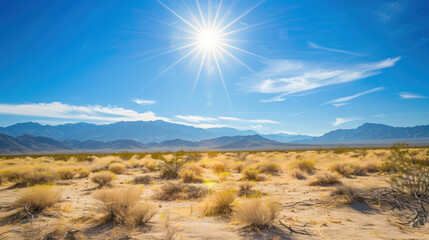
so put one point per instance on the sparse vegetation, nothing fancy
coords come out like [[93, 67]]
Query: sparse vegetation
[[37, 198], [145, 179], [325, 179], [173, 191], [170, 168], [218, 203], [304, 165], [257, 212], [66, 173], [269, 168], [103, 178], [298, 174], [117, 168], [252, 175], [189, 176], [344, 194]]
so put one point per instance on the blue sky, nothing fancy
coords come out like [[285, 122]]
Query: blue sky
[[303, 67]]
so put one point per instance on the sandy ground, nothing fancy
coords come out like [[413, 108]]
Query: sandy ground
[[184, 220]]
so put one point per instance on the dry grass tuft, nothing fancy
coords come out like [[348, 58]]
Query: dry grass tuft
[[269, 168], [252, 175], [83, 173], [325, 179], [218, 167], [193, 167], [304, 165], [246, 191], [38, 198], [189, 176], [67, 173], [117, 168], [173, 191], [257, 212], [344, 195], [218, 203], [298, 174], [103, 178], [146, 179], [343, 169], [121, 205]]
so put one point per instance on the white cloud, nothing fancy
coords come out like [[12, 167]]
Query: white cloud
[[389, 10], [60, 110], [288, 77], [342, 101], [380, 115], [247, 120], [144, 102], [274, 99], [339, 121], [313, 45], [196, 119], [407, 95]]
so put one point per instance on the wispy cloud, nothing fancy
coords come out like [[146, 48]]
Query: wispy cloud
[[290, 77], [196, 119], [249, 120], [407, 95], [313, 45], [60, 110], [144, 102], [274, 99], [380, 115], [339, 121], [342, 101], [389, 10]]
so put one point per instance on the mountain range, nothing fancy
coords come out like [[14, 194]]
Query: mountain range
[[140, 136]]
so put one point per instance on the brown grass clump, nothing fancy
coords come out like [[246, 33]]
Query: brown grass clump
[[218, 167], [173, 191], [246, 191], [66, 173], [103, 178], [269, 168], [38, 198], [193, 167], [343, 169], [121, 205], [305, 165], [256, 212], [36, 176], [252, 175], [146, 179], [189, 176], [83, 173], [298, 174], [170, 168], [238, 166], [218, 203], [117, 168], [344, 195], [325, 179]]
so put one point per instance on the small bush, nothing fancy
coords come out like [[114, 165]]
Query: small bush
[[218, 167], [103, 178], [218, 203], [245, 190], [170, 168], [344, 195], [152, 165], [305, 165], [66, 173], [325, 179], [257, 212], [83, 173], [298, 174], [212, 154], [189, 176], [157, 155], [343, 169], [125, 155], [238, 166], [146, 179], [32, 177], [122, 206], [38, 198], [193, 167], [173, 191], [269, 168], [117, 168], [252, 175]]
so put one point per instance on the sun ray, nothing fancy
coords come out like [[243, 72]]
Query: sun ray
[[217, 14], [175, 63], [180, 17], [201, 14], [241, 16], [176, 49], [242, 50], [198, 73], [236, 59], [223, 81]]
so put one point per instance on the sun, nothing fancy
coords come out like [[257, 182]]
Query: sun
[[209, 39]]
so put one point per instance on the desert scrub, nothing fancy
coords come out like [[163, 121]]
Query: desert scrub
[[343, 169], [145, 179], [103, 178], [83, 173], [304, 165], [121, 205], [66, 173], [192, 166], [406, 173], [31, 177], [157, 155], [125, 155], [117, 168], [298, 174], [252, 175], [38, 198], [246, 191], [170, 168], [256, 212], [216, 203], [325, 179], [238, 166], [189, 176], [212, 154], [151, 165], [223, 176], [344, 194], [218, 167], [173, 191], [269, 168]]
